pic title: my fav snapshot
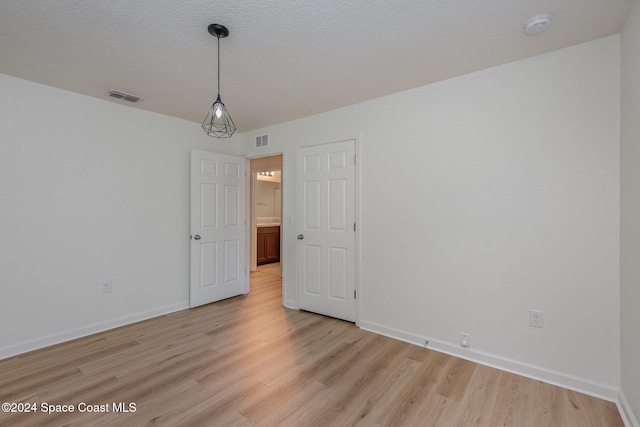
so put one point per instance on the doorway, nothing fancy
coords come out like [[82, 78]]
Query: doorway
[[341, 284], [266, 177]]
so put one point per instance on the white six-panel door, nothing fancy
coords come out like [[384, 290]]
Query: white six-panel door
[[217, 227], [326, 229]]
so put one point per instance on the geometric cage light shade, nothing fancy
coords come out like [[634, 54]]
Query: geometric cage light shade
[[218, 122]]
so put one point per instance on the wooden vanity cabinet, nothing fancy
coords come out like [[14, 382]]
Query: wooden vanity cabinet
[[268, 243]]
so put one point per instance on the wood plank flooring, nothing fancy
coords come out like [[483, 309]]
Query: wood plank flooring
[[247, 361]]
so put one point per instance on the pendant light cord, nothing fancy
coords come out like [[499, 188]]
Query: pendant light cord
[[218, 64]]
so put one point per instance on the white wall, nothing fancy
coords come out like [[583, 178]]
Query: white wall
[[630, 226], [482, 197], [90, 190]]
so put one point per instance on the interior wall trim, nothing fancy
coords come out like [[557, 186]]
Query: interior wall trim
[[72, 334], [626, 413], [582, 385]]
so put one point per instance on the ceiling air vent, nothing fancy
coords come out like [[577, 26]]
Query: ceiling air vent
[[121, 95], [262, 141]]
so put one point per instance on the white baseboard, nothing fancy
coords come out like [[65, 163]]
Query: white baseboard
[[571, 382], [552, 377], [23, 347], [625, 411]]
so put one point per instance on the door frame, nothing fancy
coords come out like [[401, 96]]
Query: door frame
[[283, 229], [290, 286], [251, 211]]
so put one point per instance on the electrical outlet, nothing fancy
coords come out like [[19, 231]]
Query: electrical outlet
[[106, 287], [465, 340], [536, 319]]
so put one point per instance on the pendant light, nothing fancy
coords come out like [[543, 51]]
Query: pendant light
[[218, 122]]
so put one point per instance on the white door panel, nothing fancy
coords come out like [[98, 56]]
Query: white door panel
[[326, 245], [217, 227]]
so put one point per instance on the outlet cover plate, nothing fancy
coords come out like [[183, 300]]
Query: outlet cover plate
[[465, 340], [106, 286], [536, 318]]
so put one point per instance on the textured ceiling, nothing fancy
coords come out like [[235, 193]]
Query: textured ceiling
[[283, 60]]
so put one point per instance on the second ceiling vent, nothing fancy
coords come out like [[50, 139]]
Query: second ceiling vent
[[262, 141], [122, 95]]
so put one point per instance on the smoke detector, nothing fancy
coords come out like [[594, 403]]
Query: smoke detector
[[537, 24]]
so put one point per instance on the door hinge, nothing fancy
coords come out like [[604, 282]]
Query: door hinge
[[354, 226], [354, 159], [354, 294]]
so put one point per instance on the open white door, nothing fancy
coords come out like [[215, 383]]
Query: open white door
[[217, 227], [326, 229]]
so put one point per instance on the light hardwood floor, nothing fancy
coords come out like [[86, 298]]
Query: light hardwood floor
[[248, 361], [272, 268]]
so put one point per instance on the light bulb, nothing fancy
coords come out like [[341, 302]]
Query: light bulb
[[218, 112]]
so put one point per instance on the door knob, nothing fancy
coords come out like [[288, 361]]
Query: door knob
[[300, 236], [196, 237]]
